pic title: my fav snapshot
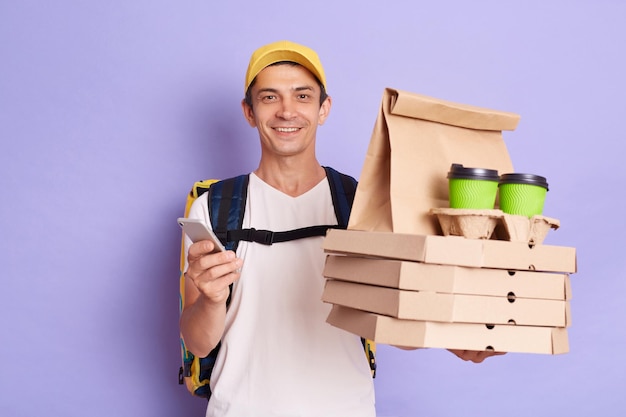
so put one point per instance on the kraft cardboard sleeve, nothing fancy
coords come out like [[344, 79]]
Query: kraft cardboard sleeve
[[415, 140]]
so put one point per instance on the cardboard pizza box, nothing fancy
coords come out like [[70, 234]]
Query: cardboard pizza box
[[440, 307], [469, 336], [452, 250], [449, 279]]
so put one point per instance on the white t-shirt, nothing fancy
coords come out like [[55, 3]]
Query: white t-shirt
[[279, 357]]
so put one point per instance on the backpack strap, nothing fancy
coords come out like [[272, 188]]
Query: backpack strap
[[342, 190], [267, 237], [227, 202]]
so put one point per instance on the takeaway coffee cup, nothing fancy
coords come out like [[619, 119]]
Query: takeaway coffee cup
[[522, 194], [472, 188]]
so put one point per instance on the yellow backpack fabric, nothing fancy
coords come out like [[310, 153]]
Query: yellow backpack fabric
[[189, 372]]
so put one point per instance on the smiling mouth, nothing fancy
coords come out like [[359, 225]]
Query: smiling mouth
[[287, 129]]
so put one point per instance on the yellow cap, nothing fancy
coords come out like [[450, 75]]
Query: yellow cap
[[284, 51]]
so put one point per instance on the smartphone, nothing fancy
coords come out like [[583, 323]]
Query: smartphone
[[196, 230]]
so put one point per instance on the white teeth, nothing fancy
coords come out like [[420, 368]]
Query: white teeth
[[287, 129]]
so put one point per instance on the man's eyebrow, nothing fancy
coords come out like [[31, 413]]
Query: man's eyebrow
[[267, 90]]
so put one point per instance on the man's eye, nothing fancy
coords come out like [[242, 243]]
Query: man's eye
[[269, 97]]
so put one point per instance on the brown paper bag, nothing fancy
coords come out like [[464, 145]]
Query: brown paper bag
[[415, 140]]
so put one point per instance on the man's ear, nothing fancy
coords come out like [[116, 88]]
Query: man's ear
[[248, 113], [324, 110]]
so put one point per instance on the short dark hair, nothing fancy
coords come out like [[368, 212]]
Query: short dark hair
[[248, 97]]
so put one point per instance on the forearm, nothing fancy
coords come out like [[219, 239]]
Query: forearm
[[202, 326]]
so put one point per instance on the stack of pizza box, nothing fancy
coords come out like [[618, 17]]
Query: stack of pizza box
[[452, 292]]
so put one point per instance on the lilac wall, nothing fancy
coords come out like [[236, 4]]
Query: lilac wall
[[110, 110]]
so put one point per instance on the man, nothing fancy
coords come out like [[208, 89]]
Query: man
[[278, 356]]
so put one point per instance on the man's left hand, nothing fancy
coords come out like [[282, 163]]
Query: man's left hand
[[476, 356]]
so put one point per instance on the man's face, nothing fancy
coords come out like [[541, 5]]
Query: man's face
[[286, 110]]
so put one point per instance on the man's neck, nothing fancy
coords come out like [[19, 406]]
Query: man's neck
[[293, 178]]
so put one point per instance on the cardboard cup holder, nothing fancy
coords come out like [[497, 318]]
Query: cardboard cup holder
[[488, 224]]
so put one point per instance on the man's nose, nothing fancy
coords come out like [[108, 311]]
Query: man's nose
[[287, 109]]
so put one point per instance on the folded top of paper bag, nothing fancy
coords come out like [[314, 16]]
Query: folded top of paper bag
[[423, 107]]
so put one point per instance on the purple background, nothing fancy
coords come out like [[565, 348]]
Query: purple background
[[109, 111]]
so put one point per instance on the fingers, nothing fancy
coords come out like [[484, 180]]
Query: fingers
[[199, 249], [218, 263], [476, 356]]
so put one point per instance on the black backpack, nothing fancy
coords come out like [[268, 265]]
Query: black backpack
[[227, 200]]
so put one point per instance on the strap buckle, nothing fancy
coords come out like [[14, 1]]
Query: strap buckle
[[265, 237]]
